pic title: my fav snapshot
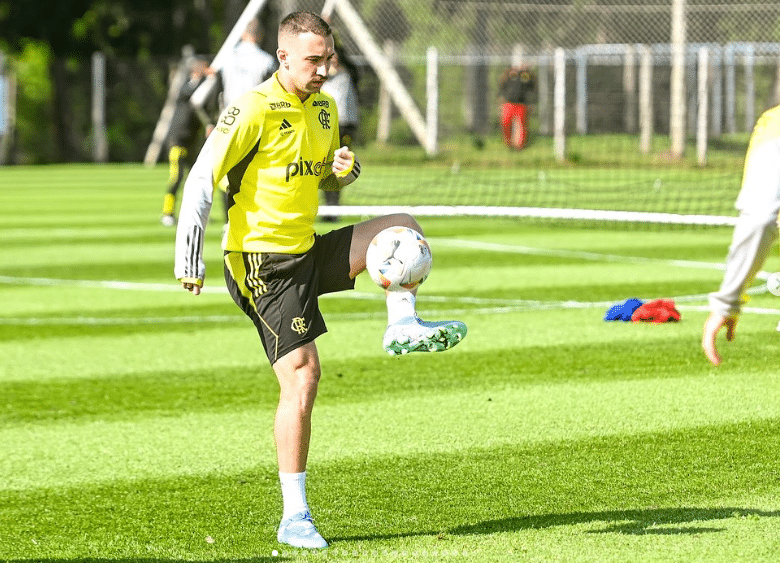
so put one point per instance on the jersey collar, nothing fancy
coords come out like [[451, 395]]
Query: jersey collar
[[278, 89]]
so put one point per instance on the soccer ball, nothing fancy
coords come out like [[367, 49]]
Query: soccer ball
[[398, 258]]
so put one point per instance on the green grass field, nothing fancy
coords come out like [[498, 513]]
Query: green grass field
[[135, 419]]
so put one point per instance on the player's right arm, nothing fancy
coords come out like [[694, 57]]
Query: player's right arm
[[234, 136], [196, 202]]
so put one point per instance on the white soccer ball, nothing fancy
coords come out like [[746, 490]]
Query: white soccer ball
[[398, 258]]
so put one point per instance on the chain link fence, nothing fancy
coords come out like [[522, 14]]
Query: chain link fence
[[475, 41]]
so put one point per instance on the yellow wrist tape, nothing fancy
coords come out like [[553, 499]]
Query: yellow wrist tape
[[344, 173]]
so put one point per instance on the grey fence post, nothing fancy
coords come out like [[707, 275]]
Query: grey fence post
[[99, 135], [645, 100], [703, 109], [582, 91], [560, 104]]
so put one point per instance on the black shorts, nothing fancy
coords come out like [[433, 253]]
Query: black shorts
[[279, 292]]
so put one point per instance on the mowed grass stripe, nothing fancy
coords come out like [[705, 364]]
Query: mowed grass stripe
[[130, 235], [58, 301], [222, 386], [547, 435], [658, 494], [64, 453], [354, 345]]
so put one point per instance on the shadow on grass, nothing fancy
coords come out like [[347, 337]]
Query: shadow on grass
[[654, 521], [660, 521], [77, 559]]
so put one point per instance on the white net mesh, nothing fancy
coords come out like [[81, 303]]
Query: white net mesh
[[617, 156]]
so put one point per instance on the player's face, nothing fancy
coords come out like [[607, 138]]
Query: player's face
[[304, 63]]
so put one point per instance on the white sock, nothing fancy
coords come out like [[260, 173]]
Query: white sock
[[293, 493], [400, 304]]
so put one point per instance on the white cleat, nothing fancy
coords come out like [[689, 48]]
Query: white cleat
[[168, 221], [298, 531], [411, 334]]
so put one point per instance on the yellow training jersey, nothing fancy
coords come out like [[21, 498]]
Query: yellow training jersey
[[274, 150], [767, 128], [760, 181], [758, 204]]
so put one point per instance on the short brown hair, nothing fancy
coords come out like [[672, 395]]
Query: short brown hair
[[304, 21]]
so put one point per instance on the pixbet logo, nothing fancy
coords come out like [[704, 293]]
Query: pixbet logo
[[303, 168]]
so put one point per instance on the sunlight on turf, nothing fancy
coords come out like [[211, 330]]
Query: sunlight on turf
[[136, 420]]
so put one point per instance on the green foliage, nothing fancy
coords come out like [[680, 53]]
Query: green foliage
[[32, 67], [121, 27], [34, 101]]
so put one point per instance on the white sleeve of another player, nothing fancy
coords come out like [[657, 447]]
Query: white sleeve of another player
[[756, 228], [193, 217]]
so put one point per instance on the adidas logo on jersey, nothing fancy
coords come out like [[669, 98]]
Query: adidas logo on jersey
[[286, 128]]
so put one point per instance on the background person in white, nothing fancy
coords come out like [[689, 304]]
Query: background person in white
[[755, 232], [248, 66]]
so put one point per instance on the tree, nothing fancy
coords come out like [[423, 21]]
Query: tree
[[69, 31]]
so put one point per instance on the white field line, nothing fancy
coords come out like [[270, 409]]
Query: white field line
[[101, 284], [488, 306], [229, 319], [577, 254], [81, 233]]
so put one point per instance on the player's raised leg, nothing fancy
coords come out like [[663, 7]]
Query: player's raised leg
[[406, 332], [298, 373]]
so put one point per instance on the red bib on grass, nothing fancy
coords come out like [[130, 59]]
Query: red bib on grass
[[658, 311]]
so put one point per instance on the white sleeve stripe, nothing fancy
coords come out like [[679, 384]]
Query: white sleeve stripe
[[194, 243], [193, 217]]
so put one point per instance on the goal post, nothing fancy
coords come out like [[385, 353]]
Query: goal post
[[163, 126], [384, 69], [556, 213], [205, 90]]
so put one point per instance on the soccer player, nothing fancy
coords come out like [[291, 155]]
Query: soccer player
[[755, 232], [277, 145], [247, 67]]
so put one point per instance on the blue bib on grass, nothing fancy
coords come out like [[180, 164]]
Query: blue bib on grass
[[623, 311]]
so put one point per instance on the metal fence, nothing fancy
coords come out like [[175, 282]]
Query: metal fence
[[474, 40], [602, 42]]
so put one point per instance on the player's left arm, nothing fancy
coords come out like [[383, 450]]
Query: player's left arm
[[345, 167]]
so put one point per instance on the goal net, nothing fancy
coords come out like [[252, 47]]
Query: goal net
[[600, 122]]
